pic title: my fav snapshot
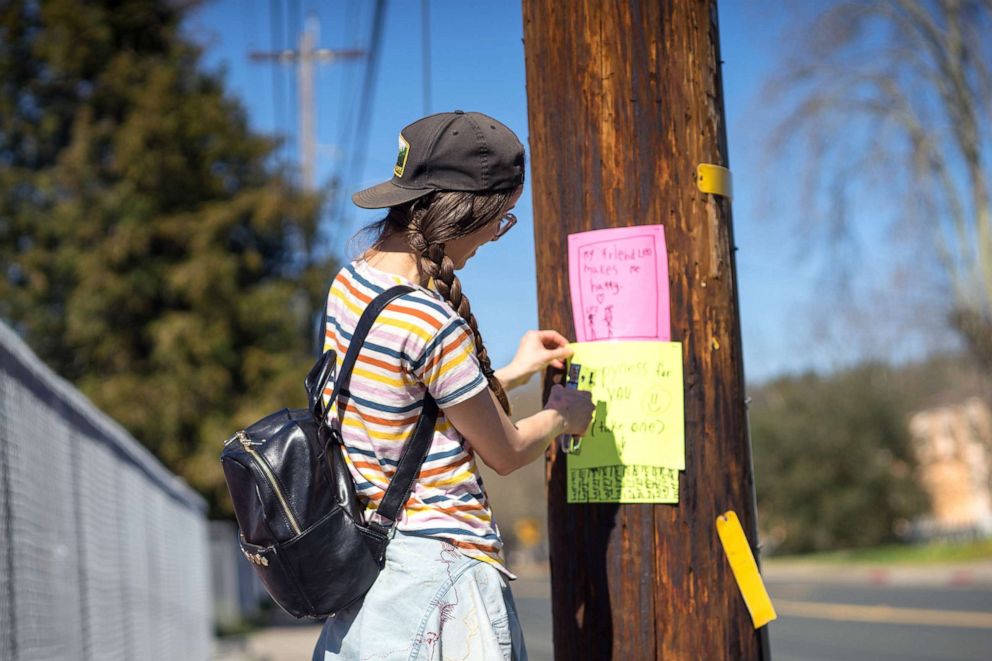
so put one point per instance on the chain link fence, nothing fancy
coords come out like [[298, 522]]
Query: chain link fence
[[103, 552]]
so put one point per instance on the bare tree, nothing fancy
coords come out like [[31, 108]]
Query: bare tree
[[893, 99]]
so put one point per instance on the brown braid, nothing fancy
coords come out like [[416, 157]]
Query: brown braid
[[441, 269], [430, 222]]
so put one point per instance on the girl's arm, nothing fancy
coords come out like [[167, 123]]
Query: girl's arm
[[538, 349], [505, 447]]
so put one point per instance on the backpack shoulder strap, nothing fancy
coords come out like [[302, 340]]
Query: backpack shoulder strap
[[411, 459], [372, 311], [326, 365], [415, 450]]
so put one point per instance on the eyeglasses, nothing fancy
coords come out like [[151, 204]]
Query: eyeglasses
[[505, 223]]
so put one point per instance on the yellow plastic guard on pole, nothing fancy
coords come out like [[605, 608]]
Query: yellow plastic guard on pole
[[745, 569], [715, 179]]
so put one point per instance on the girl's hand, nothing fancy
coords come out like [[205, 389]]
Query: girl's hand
[[538, 349], [575, 407]]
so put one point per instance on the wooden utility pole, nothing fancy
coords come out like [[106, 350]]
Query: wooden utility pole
[[306, 55], [625, 100]]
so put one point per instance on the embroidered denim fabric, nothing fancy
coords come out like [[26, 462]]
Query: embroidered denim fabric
[[430, 602]]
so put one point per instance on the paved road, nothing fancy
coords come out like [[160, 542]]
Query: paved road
[[533, 599], [824, 622], [821, 620]]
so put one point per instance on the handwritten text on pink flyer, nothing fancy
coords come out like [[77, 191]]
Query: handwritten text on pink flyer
[[619, 284]]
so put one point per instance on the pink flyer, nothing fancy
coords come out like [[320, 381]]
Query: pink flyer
[[619, 284]]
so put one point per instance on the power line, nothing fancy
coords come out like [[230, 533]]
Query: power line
[[304, 58], [275, 20], [253, 36], [362, 130], [346, 111], [294, 24], [293, 27], [425, 44], [248, 24], [368, 88]]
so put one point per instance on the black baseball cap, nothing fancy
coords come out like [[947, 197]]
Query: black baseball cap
[[455, 151]]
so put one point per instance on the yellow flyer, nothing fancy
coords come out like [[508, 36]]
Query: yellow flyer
[[638, 429]]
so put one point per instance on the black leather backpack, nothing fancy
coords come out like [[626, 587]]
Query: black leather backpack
[[301, 525]]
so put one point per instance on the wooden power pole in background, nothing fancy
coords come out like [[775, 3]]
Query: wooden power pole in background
[[304, 58], [625, 100]]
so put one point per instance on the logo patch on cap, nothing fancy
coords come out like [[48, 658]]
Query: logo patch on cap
[[401, 157]]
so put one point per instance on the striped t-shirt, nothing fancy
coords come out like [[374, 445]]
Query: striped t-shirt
[[417, 341]]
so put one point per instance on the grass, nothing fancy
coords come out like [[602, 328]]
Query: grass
[[936, 553]]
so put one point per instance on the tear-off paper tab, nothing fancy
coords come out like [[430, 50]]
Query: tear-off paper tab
[[619, 284], [745, 569], [623, 484]]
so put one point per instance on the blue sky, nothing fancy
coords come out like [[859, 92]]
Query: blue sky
[[477, 63]]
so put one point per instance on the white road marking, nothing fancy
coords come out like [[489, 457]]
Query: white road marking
[[889, 614]]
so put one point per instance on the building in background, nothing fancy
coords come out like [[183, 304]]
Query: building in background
[[953, 445]]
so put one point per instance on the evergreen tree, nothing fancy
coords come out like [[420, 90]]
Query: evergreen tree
[[150, 252]]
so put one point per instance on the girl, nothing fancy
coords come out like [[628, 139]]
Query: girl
[[444, 589]]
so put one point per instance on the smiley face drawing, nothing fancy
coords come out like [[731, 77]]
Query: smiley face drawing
[[656, 399]]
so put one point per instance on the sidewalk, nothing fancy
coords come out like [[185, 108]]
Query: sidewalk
[[271, 644], [963, 574]]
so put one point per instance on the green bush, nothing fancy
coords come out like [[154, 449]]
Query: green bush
[[833, 463]]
